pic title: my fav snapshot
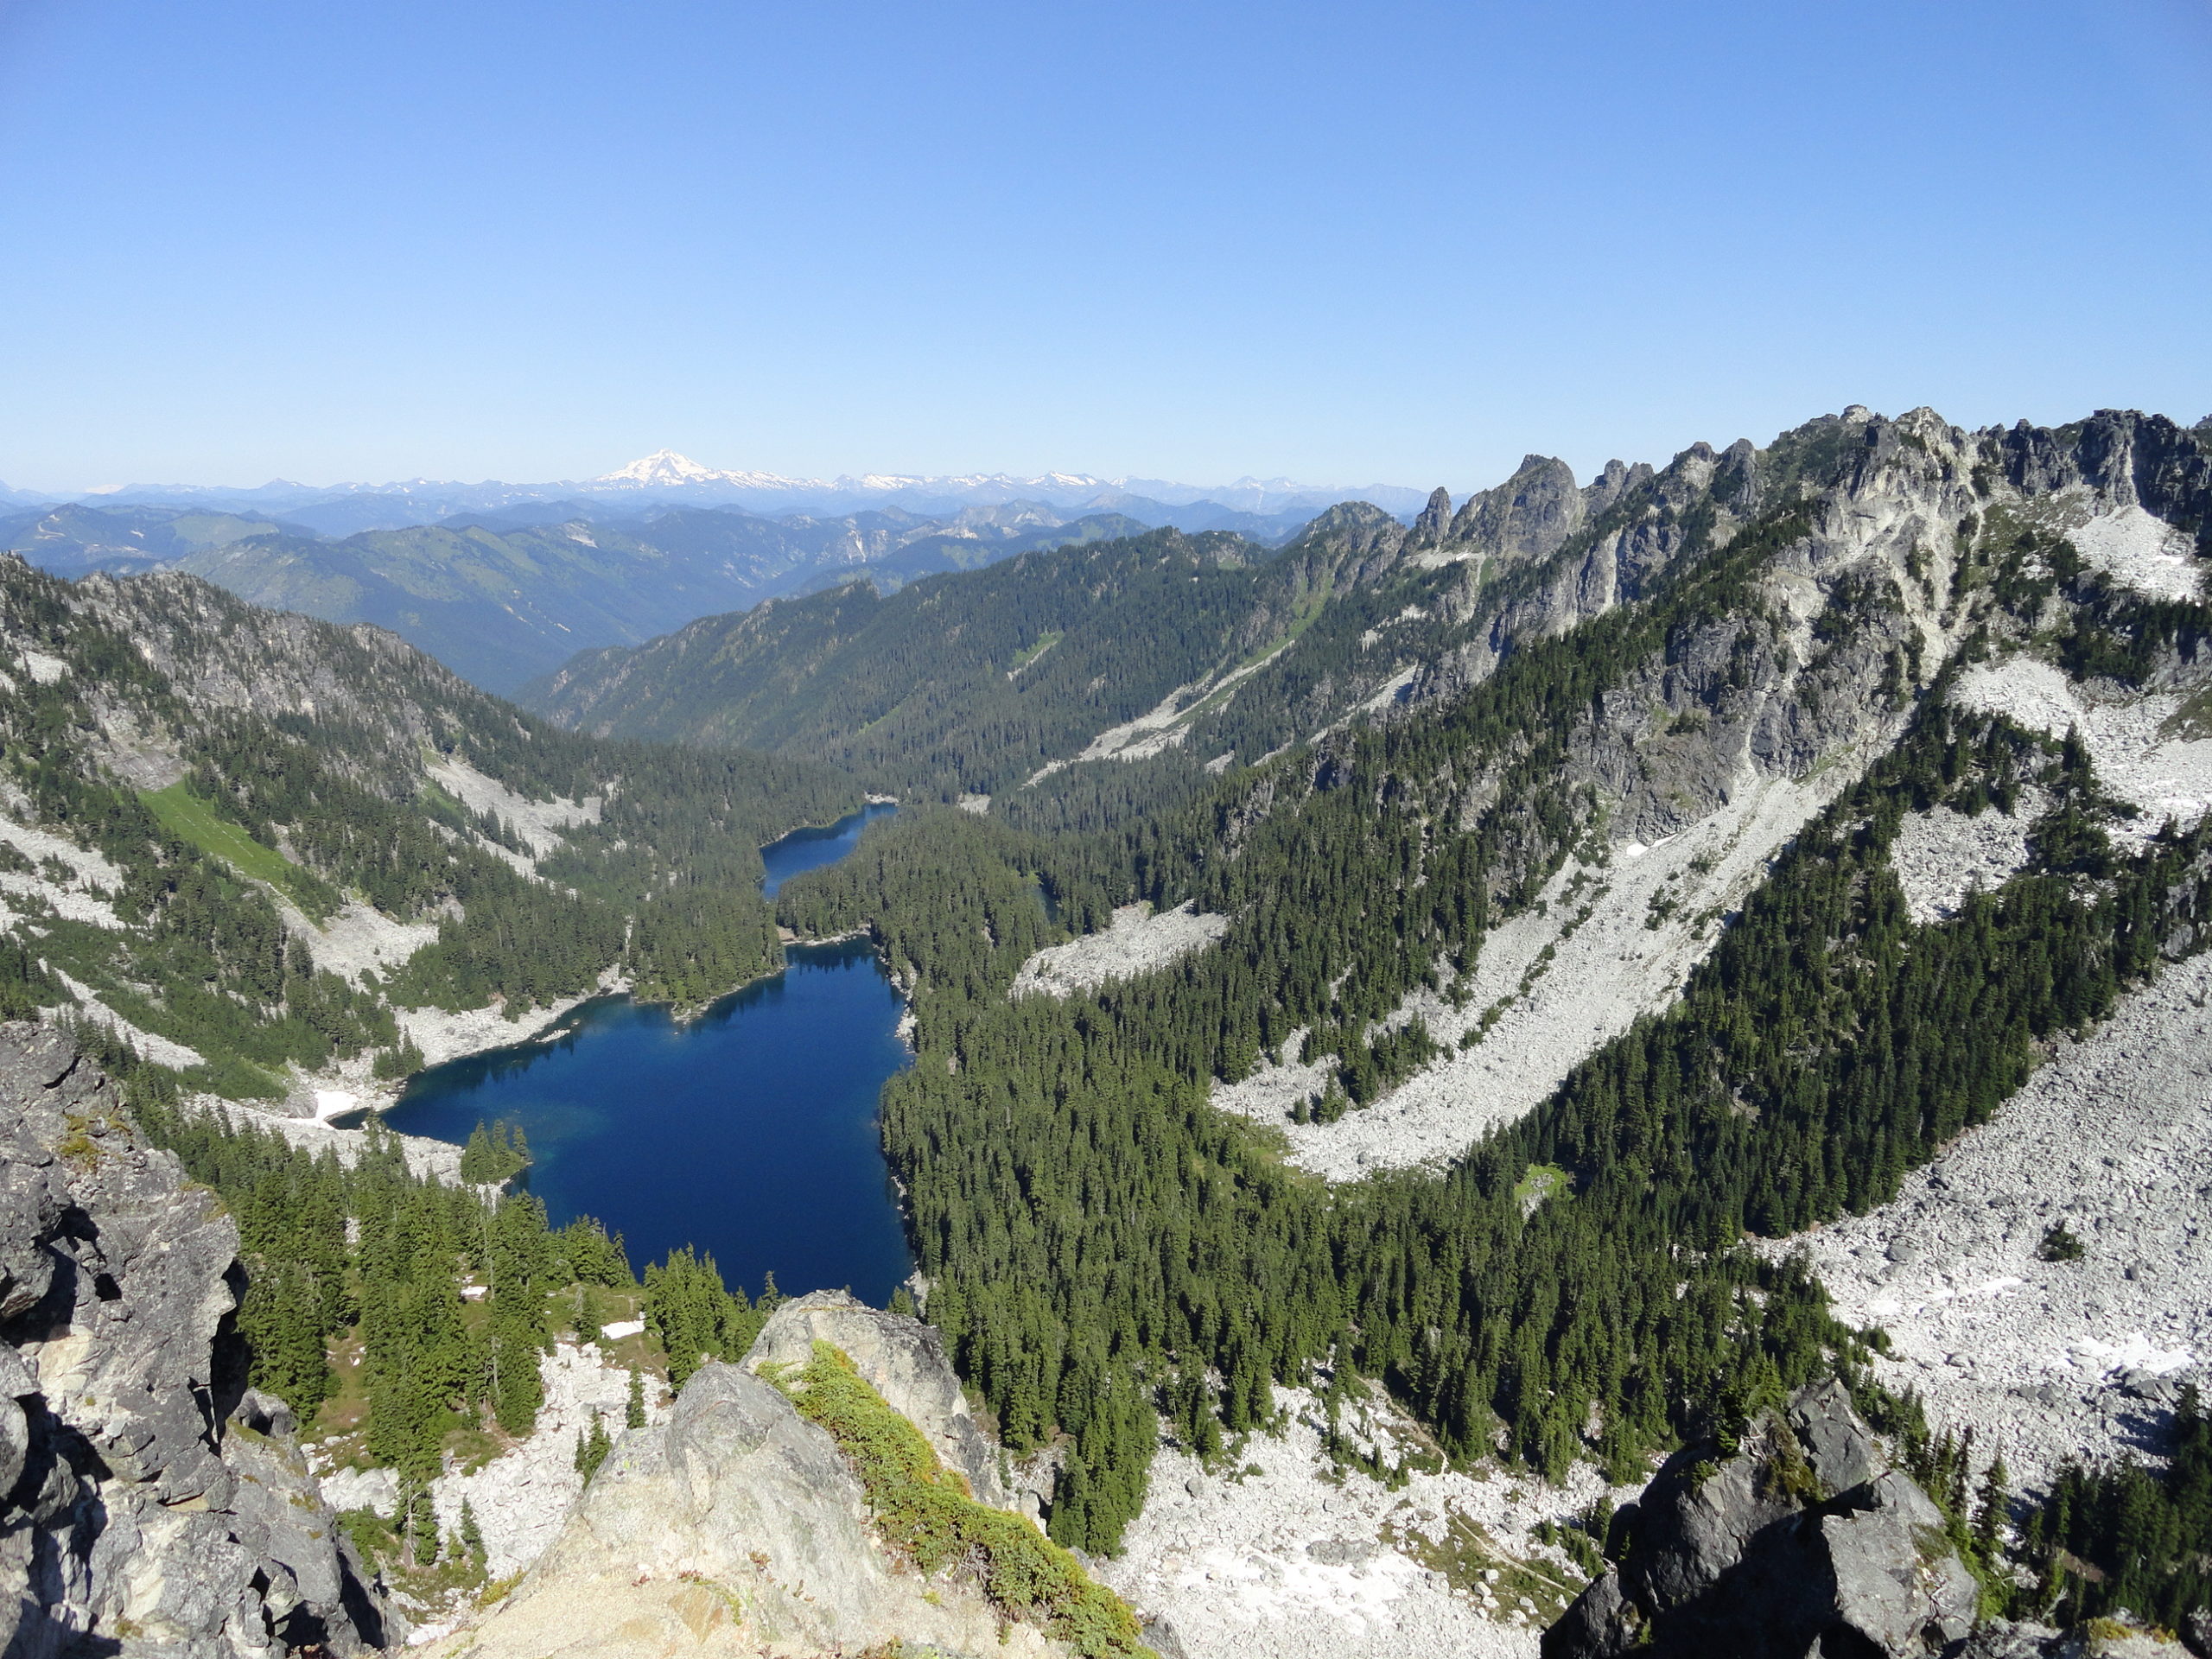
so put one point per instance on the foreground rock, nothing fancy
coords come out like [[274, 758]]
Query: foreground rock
[[153, 1504], [903, 1360], [737, 1528], [1803, 1542]]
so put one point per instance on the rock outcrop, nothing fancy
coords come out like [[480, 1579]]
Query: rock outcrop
[[903, 1360], [153, 1504], [1803, 1542], [738, 1527]]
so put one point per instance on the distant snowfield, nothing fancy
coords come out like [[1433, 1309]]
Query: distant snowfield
[[1137, 943], [2047, 1360]]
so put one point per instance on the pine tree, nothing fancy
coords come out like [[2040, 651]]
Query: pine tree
[[633, 1413], [592, 1448], [1993, 1502]]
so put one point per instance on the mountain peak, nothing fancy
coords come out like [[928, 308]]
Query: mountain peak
[[662, 467]]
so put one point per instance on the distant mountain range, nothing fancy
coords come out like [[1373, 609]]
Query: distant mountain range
[[506, 583], [503, 595], [666, 478]]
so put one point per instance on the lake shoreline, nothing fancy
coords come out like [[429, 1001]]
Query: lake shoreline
[[773, 1092]]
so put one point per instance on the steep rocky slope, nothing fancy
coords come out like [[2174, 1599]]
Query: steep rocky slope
[[1705, 760], [1761, 722], [155, 1506], [270, 854]]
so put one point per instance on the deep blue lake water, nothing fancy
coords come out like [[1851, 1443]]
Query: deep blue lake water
[[749, 1133], [810, 849]]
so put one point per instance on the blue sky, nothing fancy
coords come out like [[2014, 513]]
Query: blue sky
[[1397, 242]]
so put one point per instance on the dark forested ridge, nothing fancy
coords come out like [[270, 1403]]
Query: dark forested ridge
[[502, 596]]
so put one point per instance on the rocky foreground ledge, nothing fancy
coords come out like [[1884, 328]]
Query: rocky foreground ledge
[[739, 1527], [151, 1504], [1803, 1543]]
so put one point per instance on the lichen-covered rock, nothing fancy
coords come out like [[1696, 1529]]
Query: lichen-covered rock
[[736, 1528], [1803, 1542], [903, 1360], [153, 1504]]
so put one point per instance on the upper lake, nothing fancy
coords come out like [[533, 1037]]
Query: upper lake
[[748, 1132]]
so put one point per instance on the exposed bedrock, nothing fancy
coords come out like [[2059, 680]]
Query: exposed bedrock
[[738, 1527], [1803, 1542], [903, 1360], [153, 1504]]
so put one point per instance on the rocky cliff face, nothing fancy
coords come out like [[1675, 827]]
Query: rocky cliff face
[[1803, 1542], [153, 1504], [739, 1528]]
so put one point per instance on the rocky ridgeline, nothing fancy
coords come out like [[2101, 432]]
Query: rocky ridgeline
[[153, 1504], [739, 1528]]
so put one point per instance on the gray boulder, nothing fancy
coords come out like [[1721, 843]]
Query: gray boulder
[[1801, 1542], [151, 1504]]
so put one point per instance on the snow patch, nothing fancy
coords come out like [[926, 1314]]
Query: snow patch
[[978, 804], [1137, 943], [428, 1160]]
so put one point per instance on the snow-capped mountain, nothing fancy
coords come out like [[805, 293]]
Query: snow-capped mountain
[[679, 476], [668, 480], [664, 469]]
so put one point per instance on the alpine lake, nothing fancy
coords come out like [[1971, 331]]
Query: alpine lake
[[747, 1132]]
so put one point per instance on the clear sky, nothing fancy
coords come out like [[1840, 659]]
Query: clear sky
[[1401, 242]]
